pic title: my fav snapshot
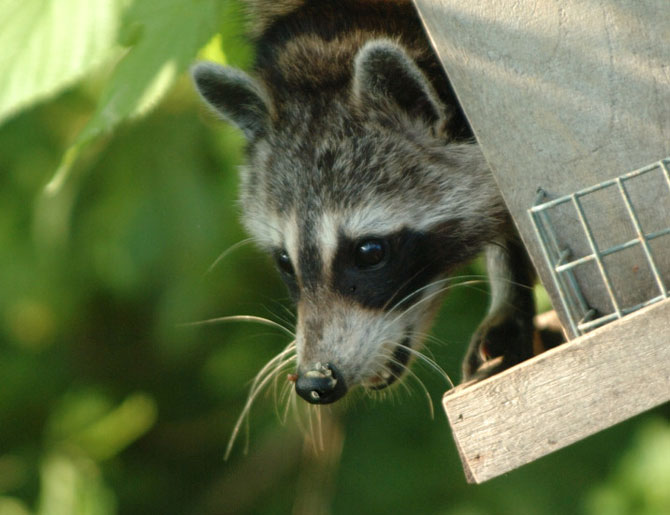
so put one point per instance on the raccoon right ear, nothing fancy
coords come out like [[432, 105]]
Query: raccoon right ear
[[384, 71], [235, 95]]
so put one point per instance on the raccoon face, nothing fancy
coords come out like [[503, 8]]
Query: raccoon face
[[364, 206]]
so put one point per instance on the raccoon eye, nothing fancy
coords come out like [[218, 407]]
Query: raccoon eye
[[370, 253], [284, 263]]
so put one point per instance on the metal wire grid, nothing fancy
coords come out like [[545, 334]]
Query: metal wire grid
[[581, 316]]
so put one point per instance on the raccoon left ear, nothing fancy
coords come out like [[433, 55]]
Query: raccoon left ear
[[234, 95], [384, 71]]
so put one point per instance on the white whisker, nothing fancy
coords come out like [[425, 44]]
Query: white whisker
[[286, 397], [230, 249], [437, 282], [312, 432], [411, 373], [430, 362], [287, 323], [257, 386], [279, 393], [243, 416], [239, 318], [274, 362], [319, 427], [427, 298], [427, 337], [298, 417]]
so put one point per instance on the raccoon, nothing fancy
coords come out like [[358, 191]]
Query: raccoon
[[364, 182]]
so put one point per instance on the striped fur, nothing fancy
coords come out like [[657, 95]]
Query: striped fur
[[355, 136]]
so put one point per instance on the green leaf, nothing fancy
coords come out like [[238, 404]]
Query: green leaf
[[165, 36], [11, 506], [88, 421], [48, 45], [639, 484], [119, 428], [73, 485]]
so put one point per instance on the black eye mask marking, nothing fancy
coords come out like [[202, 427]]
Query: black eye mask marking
[[371, 253], [287, 272], [412, 260], [307, 272], [284, 263]]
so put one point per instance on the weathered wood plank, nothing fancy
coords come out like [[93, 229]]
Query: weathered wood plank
[[564, 94], [563, 395]]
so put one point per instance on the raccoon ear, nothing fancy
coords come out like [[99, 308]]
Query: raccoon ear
[[383, 70], [234, 95]]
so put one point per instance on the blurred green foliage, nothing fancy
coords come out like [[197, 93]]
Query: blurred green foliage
[[108, 403]]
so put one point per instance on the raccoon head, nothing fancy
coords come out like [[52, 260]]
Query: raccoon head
[[365, 205]]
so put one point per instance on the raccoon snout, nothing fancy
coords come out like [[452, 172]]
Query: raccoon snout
[[322, 384]]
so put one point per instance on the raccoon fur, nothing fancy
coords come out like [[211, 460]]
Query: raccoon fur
[[364, 182]]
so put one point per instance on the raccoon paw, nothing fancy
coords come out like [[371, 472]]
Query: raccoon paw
[[506, 335]]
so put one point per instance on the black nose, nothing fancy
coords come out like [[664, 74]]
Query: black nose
[[322, 384]]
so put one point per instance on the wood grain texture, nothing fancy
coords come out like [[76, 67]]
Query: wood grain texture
[[564, 94], [563, 395]]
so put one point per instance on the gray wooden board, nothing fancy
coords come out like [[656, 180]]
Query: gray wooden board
[[564, 94], [562, 395]]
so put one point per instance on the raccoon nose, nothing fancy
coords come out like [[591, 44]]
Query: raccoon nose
[[321, 385]]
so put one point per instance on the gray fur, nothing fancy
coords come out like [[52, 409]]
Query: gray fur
[[383, 72], [355, 134], [234, 95]]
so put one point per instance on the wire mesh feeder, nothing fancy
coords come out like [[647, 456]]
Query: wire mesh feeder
[[565, 264]]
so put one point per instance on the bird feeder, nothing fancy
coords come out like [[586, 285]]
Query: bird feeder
[[570, 103]]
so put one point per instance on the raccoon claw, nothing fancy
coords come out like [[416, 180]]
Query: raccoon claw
[[505, 336]]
